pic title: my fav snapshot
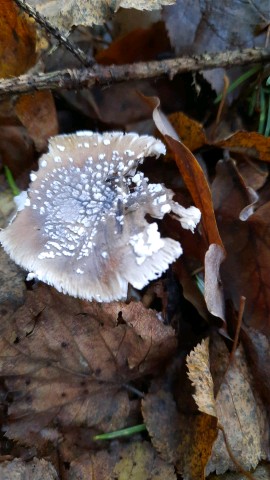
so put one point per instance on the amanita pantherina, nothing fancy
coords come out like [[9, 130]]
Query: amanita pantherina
[[82, 227]]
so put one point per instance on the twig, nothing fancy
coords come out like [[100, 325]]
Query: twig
[[238, 327], [55, 32], [232, 457], [104, 75]]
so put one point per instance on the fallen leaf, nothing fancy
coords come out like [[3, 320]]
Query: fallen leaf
[[68, 361], [213, 291], [257, 349], [262, 472], [79, 12], [251, 143], [191, 172], [135, 461], [206, 26], [201, 378], [239, 411], [12, 281], [38, 115], [245, 269], [139, 460], [190, 131], [140, 44], [17, 41], [188, 441], [33, 470]]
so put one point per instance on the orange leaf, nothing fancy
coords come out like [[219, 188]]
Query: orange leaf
[[17, 41], [190, 132], [198, 187]]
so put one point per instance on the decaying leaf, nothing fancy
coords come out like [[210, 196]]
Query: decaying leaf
[[68, 362], [213, 291], [17, 41], [74, 12], [246, 268], [237, 405], [262, 472], [139, 460], [200, 377], [193, 135], [135, 461], [34, 470], [182, 439], [215, 26], [12, 283], [191, 172]]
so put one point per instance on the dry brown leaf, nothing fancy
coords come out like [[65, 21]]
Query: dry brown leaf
[[33, 470], [68, 361], [140, 44], [239, 411], [182, 439], [17, 41], [237, 406], [201, 378], [194, 137], [78, 12], [135, 461], [257, 349], [95, 466], [207, 26], [140, 461], [245, 271], [12, 283], [38, 115], [213, 292], [262, 472], [191, 172]]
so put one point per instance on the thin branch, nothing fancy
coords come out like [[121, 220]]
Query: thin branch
[[104, 75], [55, 32]]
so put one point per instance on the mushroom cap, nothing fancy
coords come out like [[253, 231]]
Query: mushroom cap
[[82, 226]]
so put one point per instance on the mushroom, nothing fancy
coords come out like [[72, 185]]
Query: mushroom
[[81, 226]]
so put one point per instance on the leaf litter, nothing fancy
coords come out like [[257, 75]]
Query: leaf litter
[[72, 369]]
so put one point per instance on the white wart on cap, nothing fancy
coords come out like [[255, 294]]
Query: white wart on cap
[[82, 225]]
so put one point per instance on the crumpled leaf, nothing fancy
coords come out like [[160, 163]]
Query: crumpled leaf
[[33, 470], [79, 12], [68, 361], [206, 26], [17, 41], [238, 408], [245, 272]]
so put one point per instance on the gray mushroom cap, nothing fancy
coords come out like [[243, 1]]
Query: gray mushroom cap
[[82, 228]]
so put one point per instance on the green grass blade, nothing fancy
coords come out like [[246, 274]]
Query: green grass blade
[[125, 432], [240, 80], [11, 182]]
